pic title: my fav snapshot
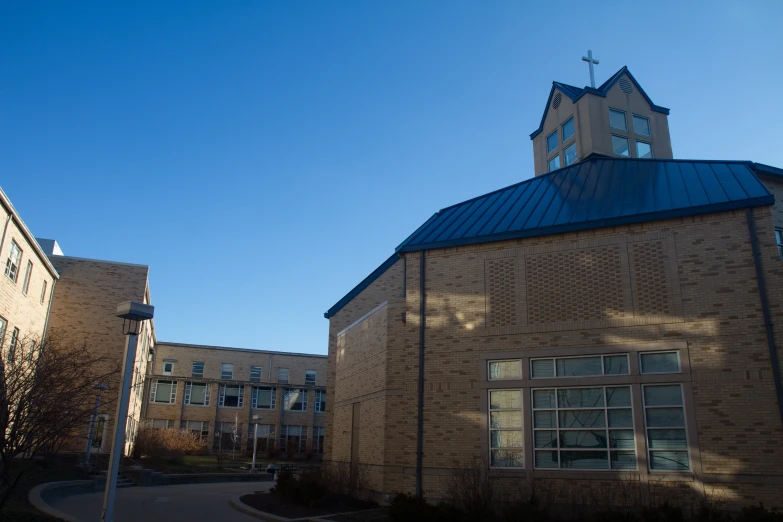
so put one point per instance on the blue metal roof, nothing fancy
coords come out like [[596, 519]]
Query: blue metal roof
[[574, 93], [598, 192]]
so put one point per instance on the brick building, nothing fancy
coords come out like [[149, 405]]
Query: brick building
[[216, 391], [26, 285], [612, 319]]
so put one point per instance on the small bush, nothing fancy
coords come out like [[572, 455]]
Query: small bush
[[529, 510], [759, 514], [167, 445], [413, 508], [307, 489], [663, 513]]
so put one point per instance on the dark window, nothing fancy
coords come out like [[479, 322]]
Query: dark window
[[551, 142]]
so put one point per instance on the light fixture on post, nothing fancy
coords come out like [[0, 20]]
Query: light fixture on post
[[255, 442], [132, 315], [85, 465]]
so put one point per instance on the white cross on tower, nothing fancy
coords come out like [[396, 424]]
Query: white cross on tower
[[590, 60]]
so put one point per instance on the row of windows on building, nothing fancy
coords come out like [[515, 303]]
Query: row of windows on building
[[12, 265], [228, 435], [233, 396], [227, 372], [589, 427], [620, 144], [14, 343]]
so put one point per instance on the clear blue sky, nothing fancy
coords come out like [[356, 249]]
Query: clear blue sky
[[264, 157]]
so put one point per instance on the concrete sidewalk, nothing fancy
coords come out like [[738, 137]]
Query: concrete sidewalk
[[189, 502]]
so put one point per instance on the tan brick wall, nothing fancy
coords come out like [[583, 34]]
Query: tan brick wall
[[25, 312], [183, 356], [83, 312], [690, 280]]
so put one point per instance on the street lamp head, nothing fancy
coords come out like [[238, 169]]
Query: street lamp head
[[133, 314]]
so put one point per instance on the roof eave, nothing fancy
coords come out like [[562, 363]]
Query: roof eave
[[602, 223], [6, 202], [367, 281]]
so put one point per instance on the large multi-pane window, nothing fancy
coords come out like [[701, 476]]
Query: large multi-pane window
[[13, 261], [197, 369], [266, 437], [282, 375], [27, 273], [231, 395], [199, 427], [505, 429], [226, 371], [263, 398], [159, 424], [318, 440], [197, 394], [164, 392], [664, 417], [588, 366], [295, 399], [320, 401], [293, 439], [255, 373], [228, 436], [584, 428]]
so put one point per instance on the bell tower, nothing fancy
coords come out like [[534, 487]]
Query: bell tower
[[615, 119]]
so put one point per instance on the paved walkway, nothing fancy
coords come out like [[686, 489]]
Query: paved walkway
[[189, 502]]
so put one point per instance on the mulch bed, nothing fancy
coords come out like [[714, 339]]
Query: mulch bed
[[278, 505]]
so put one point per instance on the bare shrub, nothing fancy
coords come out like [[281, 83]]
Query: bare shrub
[[47, 392], [167, 445], [346, 478], [471, 488]]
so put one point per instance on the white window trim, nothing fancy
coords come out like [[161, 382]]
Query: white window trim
[[28, 274], [254, 397], [679, 363], [168, 372], [605, 408], [683, 427], [320, 398], [629, 146], [603, 366], [154, 392], [188, 393], [223, 372], [222, 396], [287, 398]]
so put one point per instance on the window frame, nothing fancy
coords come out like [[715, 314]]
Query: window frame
[[320, 401], [625, 119], [287, 375], [489, 371], [253, 371], [556, 157], [684, 427], [3, 331], [637, 142], [521, 428], [679, 362], [606, 428], [28, 274], [272, 400], [628, 141], [779, 241], [309, 382], [287, 399], [189, 393], [12, 345], [223, 387], [11, 268], [43, 291], [565, 155], [170, 371], [193, 366], [172, 394], [603, 366], [562, 130], [553, 133], [223, 371], [319, 436], [633, 125]]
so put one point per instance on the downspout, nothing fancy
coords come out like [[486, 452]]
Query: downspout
[[422, 326], [773, 352]]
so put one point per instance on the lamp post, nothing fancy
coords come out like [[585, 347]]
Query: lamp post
[[255, 442], [132, 315], [85, 465]]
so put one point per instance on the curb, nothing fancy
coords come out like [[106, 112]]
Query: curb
[[37, 495], [263, 515]]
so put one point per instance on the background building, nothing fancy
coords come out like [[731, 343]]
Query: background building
[[216, 391], [611, 320], [26, 285]]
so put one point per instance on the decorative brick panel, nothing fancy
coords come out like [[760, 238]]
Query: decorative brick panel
[[501, 292], [650, 288], [575, 285]]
